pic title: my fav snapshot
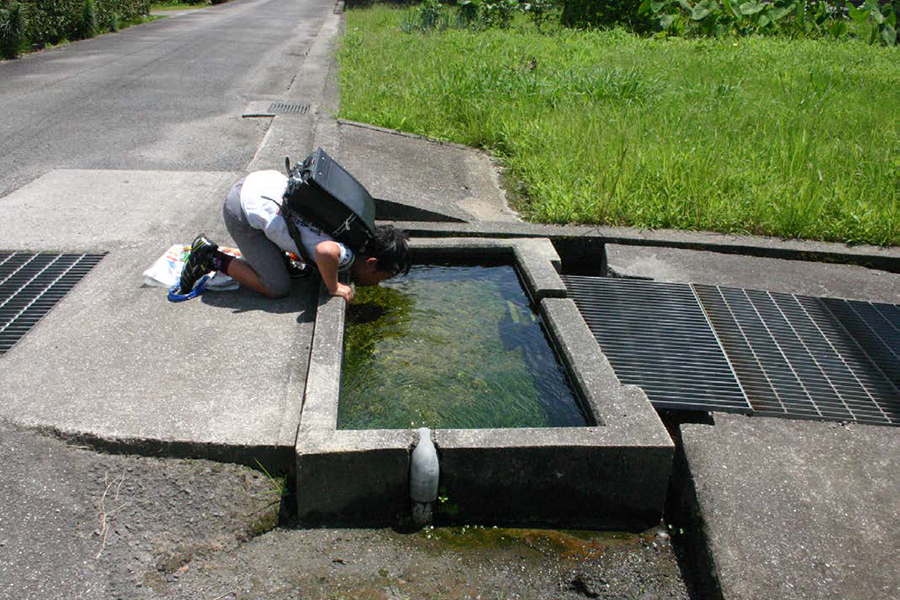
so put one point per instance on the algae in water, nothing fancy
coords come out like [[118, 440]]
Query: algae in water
[[450, 347]]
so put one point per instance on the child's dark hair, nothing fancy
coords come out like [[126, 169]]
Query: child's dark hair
[[390, 246]]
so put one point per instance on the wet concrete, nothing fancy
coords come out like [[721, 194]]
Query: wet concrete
[[446, 563]]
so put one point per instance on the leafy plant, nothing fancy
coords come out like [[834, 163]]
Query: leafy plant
[[881, 21], [602, 13], [499, 13], [469, 13], [538, 11], [429, 16], [430, 13], [88, 26], [797, 17], [444, 506], [12, 30]]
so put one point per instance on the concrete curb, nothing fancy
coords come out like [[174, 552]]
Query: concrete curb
[[401, 134], [886, 259]]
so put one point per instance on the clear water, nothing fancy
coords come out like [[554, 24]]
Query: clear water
[[451, 347]]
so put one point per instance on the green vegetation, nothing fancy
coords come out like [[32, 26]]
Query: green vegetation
[[34, 24], [87, 27], [450, 347], [763, 135], [12, 29], [871, 21], [572, 544], [184, 4]]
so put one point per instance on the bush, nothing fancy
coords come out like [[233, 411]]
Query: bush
[[603, 13], [538, 11], [469, 11], [49, 21], [431, 15], [12, 29], [499, 13], [88, 26]]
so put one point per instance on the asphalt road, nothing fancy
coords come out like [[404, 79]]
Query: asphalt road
[[166, 95]]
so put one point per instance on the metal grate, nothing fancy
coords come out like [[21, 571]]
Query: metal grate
[[876, 328], [657, 337], [789, 355], [808, 357], [287, 108], [31, 284]]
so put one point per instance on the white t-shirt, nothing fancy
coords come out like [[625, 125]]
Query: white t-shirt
[[261, 197]]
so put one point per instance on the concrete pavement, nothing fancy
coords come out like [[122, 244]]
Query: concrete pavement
[[165, 95], [792, 509], [120, 364]]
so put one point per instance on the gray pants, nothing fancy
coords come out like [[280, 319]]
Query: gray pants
[[261, 253]]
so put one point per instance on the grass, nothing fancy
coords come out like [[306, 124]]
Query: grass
[[769, 136]]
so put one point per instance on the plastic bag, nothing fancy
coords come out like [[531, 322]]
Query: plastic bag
[[166, 271]]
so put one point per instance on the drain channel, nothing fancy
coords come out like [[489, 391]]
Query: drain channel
[[31, 284]]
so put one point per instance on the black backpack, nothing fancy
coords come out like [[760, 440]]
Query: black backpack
[[324, 194]]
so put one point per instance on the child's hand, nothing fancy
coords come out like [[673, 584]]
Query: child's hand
[[344, 291]]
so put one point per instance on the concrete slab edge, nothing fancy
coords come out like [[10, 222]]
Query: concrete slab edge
[[402, 134], [886, 259], [320, 400], [686, 518], [536, 258], [276, 459]]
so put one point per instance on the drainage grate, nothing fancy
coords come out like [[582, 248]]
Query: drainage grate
[[806, 357], [793, 356], [286, 108], [31, 284], [656, 336]]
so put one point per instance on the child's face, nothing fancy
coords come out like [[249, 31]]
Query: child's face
[[366, 272]]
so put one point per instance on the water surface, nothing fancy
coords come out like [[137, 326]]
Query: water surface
[[450, 347]]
